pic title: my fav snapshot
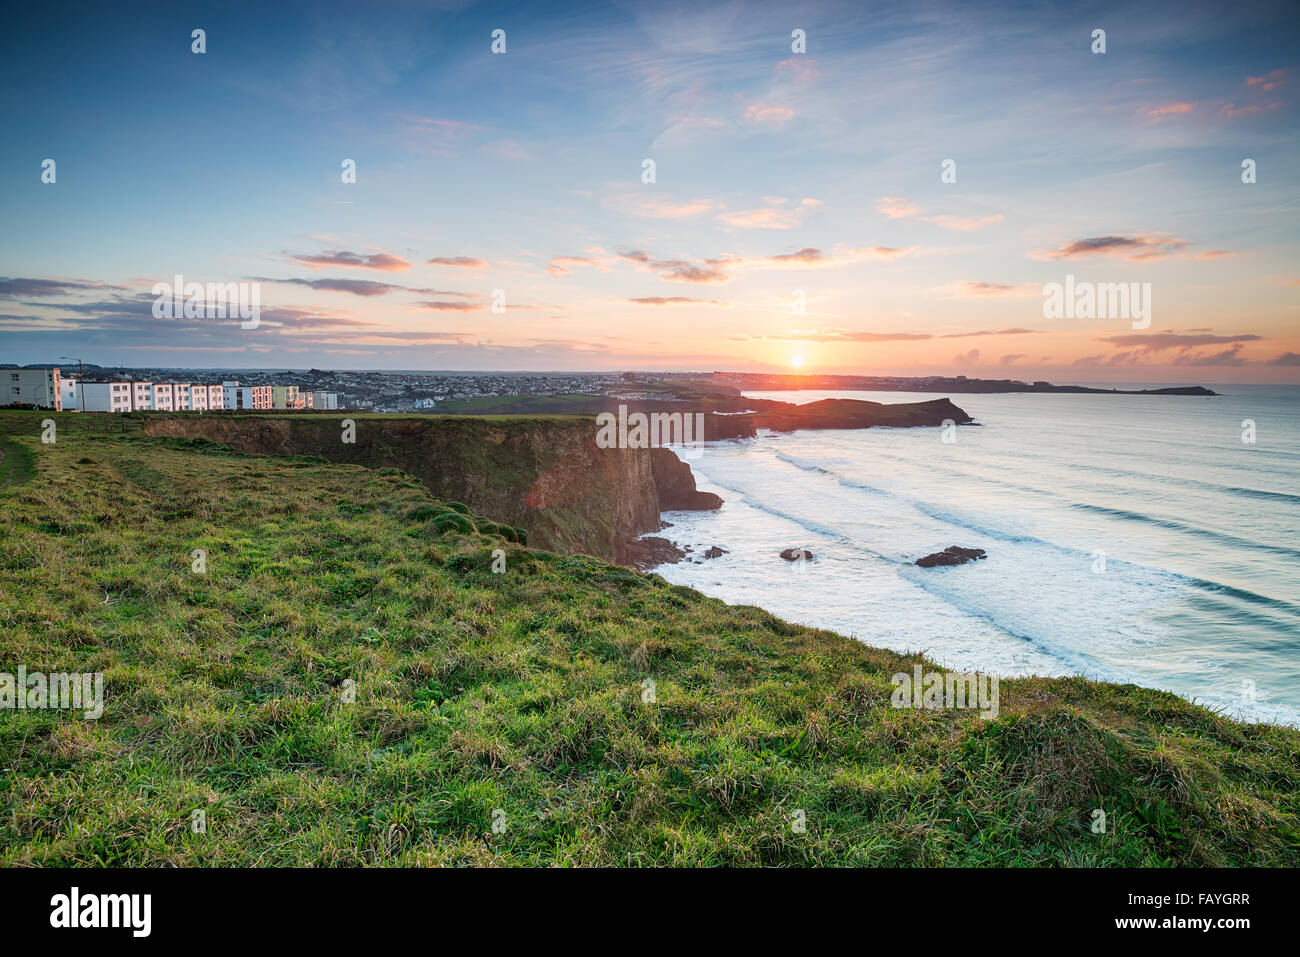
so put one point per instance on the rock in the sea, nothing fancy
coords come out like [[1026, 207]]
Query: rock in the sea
[[715, 552], [952, 555], [797, 555]]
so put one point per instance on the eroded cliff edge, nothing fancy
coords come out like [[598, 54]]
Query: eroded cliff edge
[[543, 474]]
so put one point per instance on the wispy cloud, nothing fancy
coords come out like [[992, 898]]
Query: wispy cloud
[[896, 207], [12, 288], [1133, 248], [385, 262], [461, 262], [658, 207], [674, 301], [993, 332], [1157, 113], [564, 265], [775, 213], [765, 114], [843, 335], [964, 224]]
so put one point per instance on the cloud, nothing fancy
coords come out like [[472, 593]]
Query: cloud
[[723, 268], [1232, 110], [1215, 254], [673, 300], [438, 136], [13, 288], [657, 207], [1010, 359], [769, 115], [983, 289], [774, 215], [338, 257], [444, 306], [365, 287], [1132, 248], [806, 255], [1157, 113], [964, 224], [1269, 82], [461, 262], [1129, 358], [813, 256], [357, 287], [1160, 341], [1228, 357], [896, 207], [564, 265], [967, 358], [842, 335], [986, 332], [680, 270], [1286, 359], [882, 252]]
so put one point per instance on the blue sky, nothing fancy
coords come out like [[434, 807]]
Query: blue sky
[[780, 177]]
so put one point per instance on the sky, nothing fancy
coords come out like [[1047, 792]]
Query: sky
[[798, 218]]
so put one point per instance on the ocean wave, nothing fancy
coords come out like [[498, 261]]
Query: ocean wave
[[1174, 525]]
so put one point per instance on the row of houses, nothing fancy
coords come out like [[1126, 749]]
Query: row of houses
[[46, 389]]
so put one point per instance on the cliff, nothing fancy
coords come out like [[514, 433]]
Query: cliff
[[544, 474]]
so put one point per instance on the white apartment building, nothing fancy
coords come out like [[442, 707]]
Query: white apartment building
[[324, 400], [141, 396], [246, 396], [68, 394], [181, 396], [104, 396], [199, 398], [38, 387], [162, 397], [216, 396]]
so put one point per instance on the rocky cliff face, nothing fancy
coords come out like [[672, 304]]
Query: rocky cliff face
[[545, 475]]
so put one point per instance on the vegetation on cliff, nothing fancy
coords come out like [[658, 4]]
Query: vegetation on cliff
[[596, 715]]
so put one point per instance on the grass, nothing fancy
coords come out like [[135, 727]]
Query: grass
[[524, 695], [15, 463]]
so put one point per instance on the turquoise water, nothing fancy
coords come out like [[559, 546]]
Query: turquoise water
[[1129, 538]]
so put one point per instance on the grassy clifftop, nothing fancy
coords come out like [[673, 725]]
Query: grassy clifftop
[[521, 698]]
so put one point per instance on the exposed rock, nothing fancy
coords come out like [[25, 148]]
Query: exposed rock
[[952, 555], [715, 552], [797, 554], [644, 553], [676, 484]]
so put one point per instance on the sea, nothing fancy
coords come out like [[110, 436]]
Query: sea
[[1152, 540]]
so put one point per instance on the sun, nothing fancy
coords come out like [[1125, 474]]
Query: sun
[[796, 361]]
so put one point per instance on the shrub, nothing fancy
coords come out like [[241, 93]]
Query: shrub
[[454, 522], [424, 513]]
